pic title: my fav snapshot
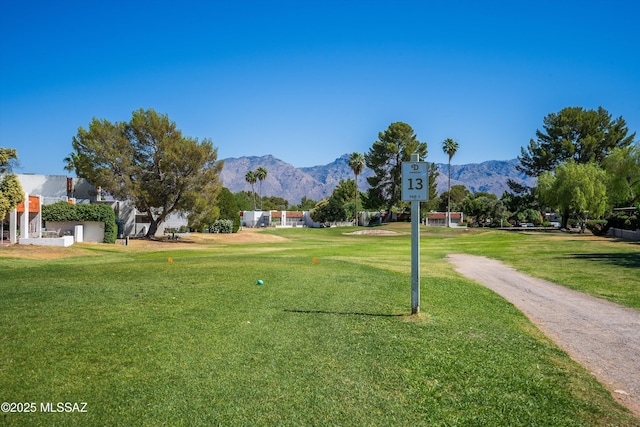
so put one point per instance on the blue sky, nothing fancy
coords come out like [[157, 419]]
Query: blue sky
[[308, 81]]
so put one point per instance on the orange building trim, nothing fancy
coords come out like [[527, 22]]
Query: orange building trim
[[34, 205]]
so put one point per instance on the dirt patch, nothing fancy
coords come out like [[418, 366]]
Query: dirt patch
[[190, 241], [374, 232], [41, 252], [246, 235], [602, 336]]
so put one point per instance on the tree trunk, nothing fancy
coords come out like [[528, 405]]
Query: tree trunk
[[389, 213], [153, 227], [357, 216], [565, 220], [253, 192], [449, 196]]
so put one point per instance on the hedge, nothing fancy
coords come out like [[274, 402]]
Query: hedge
[[65, 212]]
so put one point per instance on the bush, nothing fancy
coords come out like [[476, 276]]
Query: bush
[[624, 221], [65, 212], [236, 223], [222, 226], [598, 227]]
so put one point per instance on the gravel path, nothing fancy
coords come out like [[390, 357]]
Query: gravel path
[[602, 336]]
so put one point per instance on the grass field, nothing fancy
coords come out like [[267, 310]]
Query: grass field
[[194, 341]]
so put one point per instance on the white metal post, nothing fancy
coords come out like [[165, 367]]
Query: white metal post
[[415, 188], [415, 257]]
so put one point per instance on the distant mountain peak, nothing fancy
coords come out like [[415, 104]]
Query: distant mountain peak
[[317, 182]]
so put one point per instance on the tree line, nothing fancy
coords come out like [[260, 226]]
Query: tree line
[[586, 163]]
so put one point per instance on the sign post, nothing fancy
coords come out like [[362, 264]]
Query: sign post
[[415, 189]]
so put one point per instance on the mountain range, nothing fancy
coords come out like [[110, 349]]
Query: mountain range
[[317, 182]]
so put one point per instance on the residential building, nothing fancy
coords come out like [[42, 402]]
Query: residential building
[[439, 219], [49, 189]]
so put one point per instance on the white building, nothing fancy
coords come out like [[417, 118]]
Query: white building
[[49, 189], [254, 219]]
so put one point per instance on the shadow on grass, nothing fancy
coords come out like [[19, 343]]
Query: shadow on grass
[[629, 260], [349, 313]]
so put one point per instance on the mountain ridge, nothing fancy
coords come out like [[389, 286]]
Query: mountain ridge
[[317, 182]]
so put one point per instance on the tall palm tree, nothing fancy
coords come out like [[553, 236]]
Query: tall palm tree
[[356, 163], [261, 175], [250, 177], [449, 146]]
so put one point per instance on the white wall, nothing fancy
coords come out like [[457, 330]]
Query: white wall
[[93, 231], [263, 219], [55, 186]]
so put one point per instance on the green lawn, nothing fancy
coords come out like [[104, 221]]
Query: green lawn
[[605, 268], [144, 341]]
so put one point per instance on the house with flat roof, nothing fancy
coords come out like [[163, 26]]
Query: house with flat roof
[[439, 219], [253, 219], [50, 189]]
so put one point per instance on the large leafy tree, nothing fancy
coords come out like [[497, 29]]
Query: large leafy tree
[[574, 188], [484, 208], [520, 202], [8, 158], [623, 168], [229, 208], [394, 146], [204, 214], [149, 162], [10, 189], [343, 193], [576, 134], [450, 147], [337, 206], [306, 204], [328, 210], [243, 200], [274, 203], [453, 198]]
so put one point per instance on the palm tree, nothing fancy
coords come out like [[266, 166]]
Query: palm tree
[[250, 177], [449, 146], [261, 175], [356, 163]]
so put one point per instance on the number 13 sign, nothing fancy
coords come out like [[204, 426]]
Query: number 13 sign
[[415, 182]]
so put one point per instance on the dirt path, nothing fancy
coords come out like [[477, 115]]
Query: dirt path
[[602, 336]]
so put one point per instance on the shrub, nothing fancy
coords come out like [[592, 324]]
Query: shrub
[[598, 227], [624, 221], [222, 226], [65, 212]]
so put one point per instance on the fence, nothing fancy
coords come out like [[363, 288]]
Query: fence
[[624, 234]]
